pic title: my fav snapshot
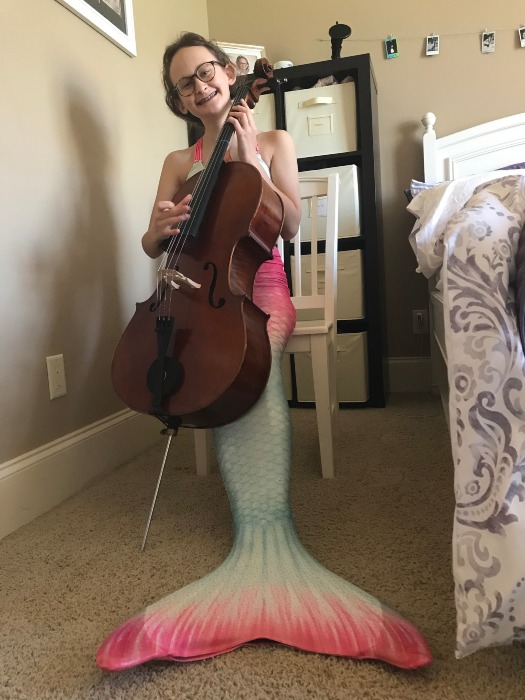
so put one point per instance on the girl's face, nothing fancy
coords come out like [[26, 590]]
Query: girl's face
[[208, 99]]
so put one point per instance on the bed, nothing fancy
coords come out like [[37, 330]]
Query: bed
[[468, 240]]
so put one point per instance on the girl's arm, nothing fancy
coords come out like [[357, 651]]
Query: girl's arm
[[285, 180], [166, 216], [278, 151]]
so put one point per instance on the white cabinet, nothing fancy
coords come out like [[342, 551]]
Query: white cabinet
[[264, 113], [335, 129], [322, 120]]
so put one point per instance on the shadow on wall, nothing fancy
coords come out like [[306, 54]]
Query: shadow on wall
[[78, 285], [92, 302]]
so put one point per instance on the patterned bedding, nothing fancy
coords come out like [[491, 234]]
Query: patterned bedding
[[470, 230]]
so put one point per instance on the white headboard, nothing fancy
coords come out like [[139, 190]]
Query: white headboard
[[479, 149]]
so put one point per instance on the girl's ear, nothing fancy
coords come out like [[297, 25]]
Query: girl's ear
[[231, 73], [182, 107]]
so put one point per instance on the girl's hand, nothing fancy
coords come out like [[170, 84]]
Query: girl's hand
[[242, 119], [166, 220]]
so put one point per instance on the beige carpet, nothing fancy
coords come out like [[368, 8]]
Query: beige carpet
[[384, 523]]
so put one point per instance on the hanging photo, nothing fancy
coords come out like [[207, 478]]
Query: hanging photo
[[112, 18], [521, 36], [432, 45], [488, 42], [391, 48]]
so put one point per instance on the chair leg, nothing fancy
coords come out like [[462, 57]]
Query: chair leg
[[203, 439], [323, 403], [334, 401]]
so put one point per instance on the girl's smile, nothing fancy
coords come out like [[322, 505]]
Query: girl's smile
[[207, 98]]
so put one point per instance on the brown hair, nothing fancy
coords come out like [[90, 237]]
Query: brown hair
[[186, 40]]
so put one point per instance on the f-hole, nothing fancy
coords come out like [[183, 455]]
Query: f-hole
[[211, 291]]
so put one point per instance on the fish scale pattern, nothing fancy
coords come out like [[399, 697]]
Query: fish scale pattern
[[269, 587]]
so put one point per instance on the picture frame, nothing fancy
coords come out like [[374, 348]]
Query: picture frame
[[432, 48], [488, 42], [391, 50], [521, 37], [111, 18], [249, 52]]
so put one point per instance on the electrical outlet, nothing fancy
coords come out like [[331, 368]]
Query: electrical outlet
[[420, 321], [56, 376]]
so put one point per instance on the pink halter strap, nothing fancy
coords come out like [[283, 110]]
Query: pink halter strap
[[197, 153]]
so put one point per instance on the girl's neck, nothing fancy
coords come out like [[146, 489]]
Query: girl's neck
[[212, 129], [210, 136]]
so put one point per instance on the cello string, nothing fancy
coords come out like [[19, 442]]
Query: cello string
[[202, 183], [177, 243], [207, 173]]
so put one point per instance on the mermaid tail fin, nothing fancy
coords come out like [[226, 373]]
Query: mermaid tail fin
[[269, 588]]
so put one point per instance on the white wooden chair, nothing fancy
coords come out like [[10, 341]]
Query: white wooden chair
[[314, 296]]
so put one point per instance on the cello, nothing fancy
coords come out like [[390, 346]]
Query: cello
[[197, 353]]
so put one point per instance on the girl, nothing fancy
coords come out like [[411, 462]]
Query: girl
[[269, 587], [198, 76]]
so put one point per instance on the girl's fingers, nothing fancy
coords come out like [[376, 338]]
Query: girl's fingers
[[174, 212], [166, 206], [168, 225]]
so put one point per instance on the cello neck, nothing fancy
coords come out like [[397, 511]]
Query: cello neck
[[252, 87], [208, 177]]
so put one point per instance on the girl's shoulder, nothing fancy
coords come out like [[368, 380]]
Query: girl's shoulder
[[180, 159], [178, 164], [275, 142], [275, 137]]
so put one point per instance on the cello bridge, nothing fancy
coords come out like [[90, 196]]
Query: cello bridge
[[176, 279]]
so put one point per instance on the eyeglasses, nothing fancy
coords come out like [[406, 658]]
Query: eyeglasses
[[205, 72]]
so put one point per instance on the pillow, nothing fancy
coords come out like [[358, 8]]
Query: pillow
[[514, 166], [416, 186]]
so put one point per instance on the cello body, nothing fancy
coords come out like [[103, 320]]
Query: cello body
[[219, 338]]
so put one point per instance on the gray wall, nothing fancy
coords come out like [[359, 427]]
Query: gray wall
[[462, 86], [84, 134]]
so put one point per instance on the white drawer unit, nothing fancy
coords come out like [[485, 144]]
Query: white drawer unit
[[350, 298], [322, 120], [348, 204], [335, 129], [264, 113], [352, 370]]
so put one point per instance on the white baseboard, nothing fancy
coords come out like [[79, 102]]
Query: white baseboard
[[35, 482], [410, 374]]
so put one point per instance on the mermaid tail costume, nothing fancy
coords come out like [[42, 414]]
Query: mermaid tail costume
[[269, 587]]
